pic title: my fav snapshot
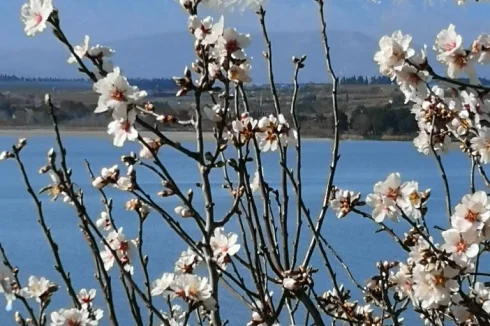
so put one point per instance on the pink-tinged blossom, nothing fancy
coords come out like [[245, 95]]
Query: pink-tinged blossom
[[461, 246], [449, 46], [382, 208], [86, 297], [187, 262], [472, 212], [104, 222], [343, 202], [116, 93], [206, 31], [35, 15], [123, 129], [224, 245], [72, 317], [232, 43]]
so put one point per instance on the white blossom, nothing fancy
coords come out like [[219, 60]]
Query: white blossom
[[36, 288], [462, 246], [70, 317], [215, 113], [116, 93], [232, 43], [342, 202], [481, 145], [206, 31], [35, 15], [240, 73], [86, 297], [123, 129], [80, 50], [104, 222], [224, 245], [433, 288], [187, 262], [161, 285], [472, 212], [393, 52]]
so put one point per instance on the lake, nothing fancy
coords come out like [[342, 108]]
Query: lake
[[362, 163]]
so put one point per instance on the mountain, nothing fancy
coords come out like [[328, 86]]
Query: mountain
[[166, 55]]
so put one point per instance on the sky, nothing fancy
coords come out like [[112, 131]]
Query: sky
[[125, 19]]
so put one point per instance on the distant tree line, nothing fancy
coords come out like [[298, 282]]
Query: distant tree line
[[383, 80], [364, 80], [156, 86]]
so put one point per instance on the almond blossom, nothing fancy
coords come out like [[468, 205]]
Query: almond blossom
[[116, 93], [70, 317], [38, 288], [206, 31], [393, 52], [123, 248], [343, 201], [481, 145], [472, 212], [187, 262], [161, 285], [404, 281], [449, 45], [462, 246], [481, 48], [382, 208], [223, 246], [104, 222], [215, 113], [240, 73], [80, 50], [35, 15], [86, 297], [192, 288], [433, 288], [412, 82], [244, 129], [151, 148], [232, 43], [122, 129]]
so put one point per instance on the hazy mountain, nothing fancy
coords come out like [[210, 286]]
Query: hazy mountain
[[166, 55]]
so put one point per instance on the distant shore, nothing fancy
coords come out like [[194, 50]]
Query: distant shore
[[22, 131]]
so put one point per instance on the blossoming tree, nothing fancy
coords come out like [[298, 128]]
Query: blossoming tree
[[442, 282]]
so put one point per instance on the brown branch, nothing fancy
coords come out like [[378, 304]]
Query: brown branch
[[335, 147], [47, 231]]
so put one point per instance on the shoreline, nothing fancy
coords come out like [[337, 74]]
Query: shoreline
[[176, 135]]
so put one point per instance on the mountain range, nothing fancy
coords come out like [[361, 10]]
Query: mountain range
[[166, 55]]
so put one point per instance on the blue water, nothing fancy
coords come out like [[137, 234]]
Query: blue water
[[362, 163]]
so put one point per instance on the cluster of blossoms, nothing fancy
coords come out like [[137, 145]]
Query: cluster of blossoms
[[391, 199], [185, 284], [270, 132], [432, 277], [41, 290], [444, 110]]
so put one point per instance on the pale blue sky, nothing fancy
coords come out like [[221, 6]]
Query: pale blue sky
[[119, 19]]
